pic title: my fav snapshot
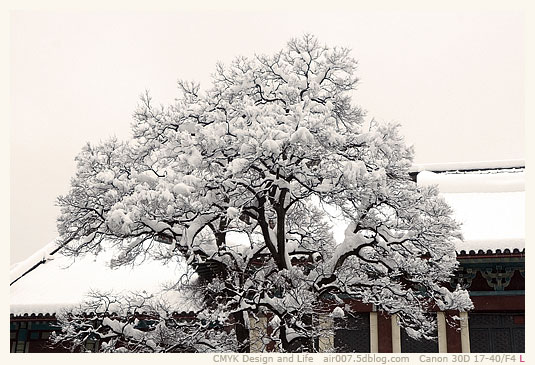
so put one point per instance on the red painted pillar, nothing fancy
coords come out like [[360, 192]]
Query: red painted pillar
[[453, 331], [384, 331]]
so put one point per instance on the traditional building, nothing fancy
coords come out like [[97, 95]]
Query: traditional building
[[45, 283], [487, 198]]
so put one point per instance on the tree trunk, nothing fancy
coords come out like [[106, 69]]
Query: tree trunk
[[242, 332]]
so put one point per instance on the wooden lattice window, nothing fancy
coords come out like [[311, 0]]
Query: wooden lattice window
[[352, 334], [497, 332]]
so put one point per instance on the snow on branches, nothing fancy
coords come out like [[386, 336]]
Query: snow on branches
[[260, 155]]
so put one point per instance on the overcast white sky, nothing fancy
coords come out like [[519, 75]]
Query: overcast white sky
[[455, 80]]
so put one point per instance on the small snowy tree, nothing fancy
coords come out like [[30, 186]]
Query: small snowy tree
[[245, 179], [137, 322]]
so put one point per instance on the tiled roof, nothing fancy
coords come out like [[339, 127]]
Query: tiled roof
[[61, 282], [490, 205], [469, 166]]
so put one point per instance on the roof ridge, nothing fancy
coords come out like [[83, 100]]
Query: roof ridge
[[469, 165]]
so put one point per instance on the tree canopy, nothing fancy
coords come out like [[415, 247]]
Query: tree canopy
[[245, 179]]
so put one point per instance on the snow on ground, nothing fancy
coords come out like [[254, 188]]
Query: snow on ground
[[63, 282]]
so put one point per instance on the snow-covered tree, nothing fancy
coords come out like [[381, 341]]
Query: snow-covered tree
[[137, 322], [244, 180]]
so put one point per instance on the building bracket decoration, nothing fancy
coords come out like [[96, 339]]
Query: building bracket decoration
[[498, 277], [464, 278]]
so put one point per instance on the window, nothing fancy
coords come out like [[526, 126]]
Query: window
[[496, 332], [305, 345], [21, 346], [352, 334], [91, 345], [410, 345]]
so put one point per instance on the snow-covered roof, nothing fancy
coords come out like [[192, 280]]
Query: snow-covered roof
[[471, 165], [61, 282], [490, 204], [490, 181]]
